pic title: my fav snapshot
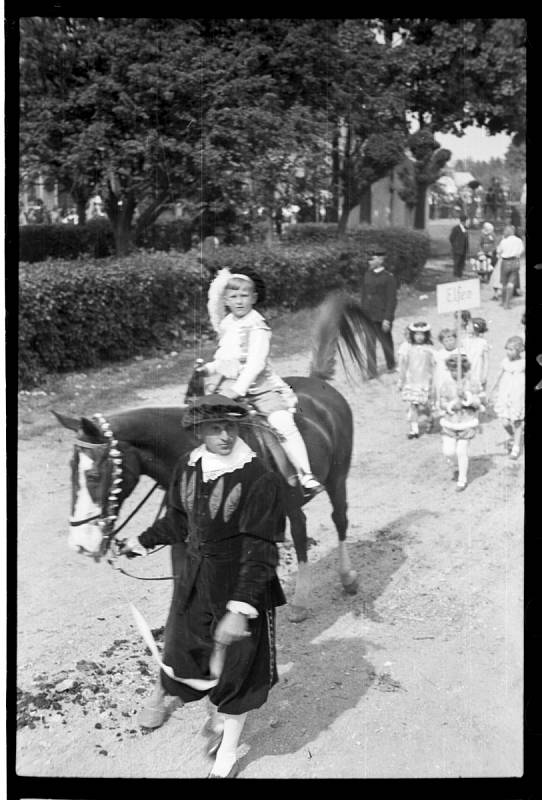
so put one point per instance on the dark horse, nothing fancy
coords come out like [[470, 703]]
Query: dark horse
[[111, 454]]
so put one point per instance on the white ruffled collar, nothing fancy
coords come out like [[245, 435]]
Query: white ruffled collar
[[214, 465]]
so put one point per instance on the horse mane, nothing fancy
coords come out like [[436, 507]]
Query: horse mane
[[341, 327]]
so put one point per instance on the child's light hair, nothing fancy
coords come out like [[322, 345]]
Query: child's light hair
[[516, 342], [445, 332]]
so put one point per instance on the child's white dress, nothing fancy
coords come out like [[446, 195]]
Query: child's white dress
[[416, 368], [477, 351], [510, 402]]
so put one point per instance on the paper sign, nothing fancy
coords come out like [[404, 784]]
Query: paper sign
[[458, 295]]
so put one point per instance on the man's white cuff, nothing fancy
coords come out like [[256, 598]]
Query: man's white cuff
[[238, 607]]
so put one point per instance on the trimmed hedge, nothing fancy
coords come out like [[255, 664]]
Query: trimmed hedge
[[95, 239], [40, 242], [77, 314]]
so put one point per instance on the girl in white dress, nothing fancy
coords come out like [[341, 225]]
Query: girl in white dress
[[241, 369], [416, 368], [510, 400], [477, 350]]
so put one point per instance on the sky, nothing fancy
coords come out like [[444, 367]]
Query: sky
[[475, 144]]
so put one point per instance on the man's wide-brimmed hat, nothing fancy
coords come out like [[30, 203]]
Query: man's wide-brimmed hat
[[376, 250], [213, 408]]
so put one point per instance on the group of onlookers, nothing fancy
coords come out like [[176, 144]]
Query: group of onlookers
[[496, 263]]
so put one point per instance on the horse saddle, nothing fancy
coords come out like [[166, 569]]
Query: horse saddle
[[269, 441]]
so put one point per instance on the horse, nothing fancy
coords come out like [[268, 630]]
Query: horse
[[111, 454]]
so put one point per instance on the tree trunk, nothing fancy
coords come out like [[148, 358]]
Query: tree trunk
[[365, 209], [269, 233], [347, 184], [347, 208], [81, 211], [120, 212], [419, 211], [123, 235], [335, 178]]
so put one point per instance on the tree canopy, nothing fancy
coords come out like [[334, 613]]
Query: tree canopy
[[229, 113]]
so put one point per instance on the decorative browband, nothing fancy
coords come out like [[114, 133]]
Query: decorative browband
[[112, 505]]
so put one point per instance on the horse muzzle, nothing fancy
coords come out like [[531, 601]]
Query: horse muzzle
[[87, 538]]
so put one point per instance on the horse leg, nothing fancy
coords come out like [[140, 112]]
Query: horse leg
[[153, 713], [337, 495], [299, 607]]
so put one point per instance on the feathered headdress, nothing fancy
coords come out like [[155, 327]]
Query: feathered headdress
[[215, 297]]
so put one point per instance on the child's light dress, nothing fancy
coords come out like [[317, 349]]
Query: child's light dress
[[459, 423], [477, 351], [510, 402], [416, 367]]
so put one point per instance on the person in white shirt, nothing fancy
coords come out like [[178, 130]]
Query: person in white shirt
[[509, 251]]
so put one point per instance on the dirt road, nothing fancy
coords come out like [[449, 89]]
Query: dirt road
[[418, 675]]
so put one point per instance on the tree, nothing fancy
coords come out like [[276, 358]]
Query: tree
[[115, 104], [428, 160], [463, 72]]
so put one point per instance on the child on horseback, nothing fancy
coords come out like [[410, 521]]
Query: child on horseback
[[241, 368], [416, 368]]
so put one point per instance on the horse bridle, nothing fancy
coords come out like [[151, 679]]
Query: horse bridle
[[106, 522]]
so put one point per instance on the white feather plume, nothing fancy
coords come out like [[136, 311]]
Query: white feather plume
[[215, 297]]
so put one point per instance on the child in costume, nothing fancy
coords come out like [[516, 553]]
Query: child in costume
[[219, 643], [448, 339], [510, 402], [460, 404], [416, 368], [241, 368], [477, 351]]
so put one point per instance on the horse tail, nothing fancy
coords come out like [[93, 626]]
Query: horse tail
[[342, 328]]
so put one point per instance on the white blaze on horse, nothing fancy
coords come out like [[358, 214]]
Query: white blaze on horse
[[111, 454]]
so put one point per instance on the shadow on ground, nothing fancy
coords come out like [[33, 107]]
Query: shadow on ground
[[328, 672]]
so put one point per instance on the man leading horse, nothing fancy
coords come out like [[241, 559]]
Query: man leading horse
[[225, 505]]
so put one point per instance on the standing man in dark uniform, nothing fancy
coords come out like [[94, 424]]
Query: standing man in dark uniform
[[459, 239], [225, 505], [378, 301]]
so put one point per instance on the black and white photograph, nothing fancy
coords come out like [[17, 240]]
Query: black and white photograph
[[271, 408]]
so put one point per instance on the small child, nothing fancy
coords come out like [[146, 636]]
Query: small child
[[477, 351], [241, 369], [448, 339], [510, 403], [465, 330], [416, 368], [460, 404]]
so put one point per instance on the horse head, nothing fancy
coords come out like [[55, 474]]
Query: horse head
[[103, 473]]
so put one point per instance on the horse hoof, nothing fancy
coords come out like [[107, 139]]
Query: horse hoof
[[297, 613], [350, 582]]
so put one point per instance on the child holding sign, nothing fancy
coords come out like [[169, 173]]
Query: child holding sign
[[460, 404]]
